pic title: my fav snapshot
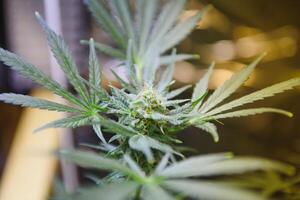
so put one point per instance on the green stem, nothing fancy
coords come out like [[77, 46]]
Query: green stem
[[138, 194], [139, 64]]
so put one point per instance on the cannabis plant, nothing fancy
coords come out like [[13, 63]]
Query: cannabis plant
[[270, 184], [142, 155]]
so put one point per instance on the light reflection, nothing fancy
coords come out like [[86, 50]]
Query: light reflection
[[216, 20], [279, 44], [185, 72], [223, 50], [248, 47], [219, 77]]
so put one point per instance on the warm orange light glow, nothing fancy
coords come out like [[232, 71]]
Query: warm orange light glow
[[216, 20], [185, 72], [219, 77], [223, 50]]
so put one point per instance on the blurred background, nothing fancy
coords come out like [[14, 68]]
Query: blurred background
[[232, 33]]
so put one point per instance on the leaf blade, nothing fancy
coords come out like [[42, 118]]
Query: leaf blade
[[240, 165], [68, 122], [165, 21], [110, 25], [150, 192], [176, 92], [229, 86], [146, 11], [29, 71], [188, 166], [33, 102], [217, 166], [108, 192], [106, 49], [123, 11], [202, 86], [210, 128], [94, 72], [94, 161], [258, 95], [210, 190], [97, 130], [115, 127], [253, 111], [180, 31], [164, 60], [167, 75], [63, 58]]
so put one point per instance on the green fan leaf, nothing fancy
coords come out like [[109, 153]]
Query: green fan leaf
[[240, 165], [97, 129], [259, 95], [123, 83], [155, 144], [210, 128], [164, 60], [229, 86], [252, 111], [123, 11], [33, 73], [28, 101], [95, 161], [115, 127], [68, 122], [150, 65], [146, 14], [134, 72], [173, 119], [144, 144], [225, 167], [167, 74], [64, 58], [175, 103], [202, 86], [139, 143], [94, 71], [113, 191], [100, 92], [151, 192], [107, 21], [165, 21], [177, 92], [210, 190], [108, 50], [180, 31], [133, 165], [191, 165], [164, 161]]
